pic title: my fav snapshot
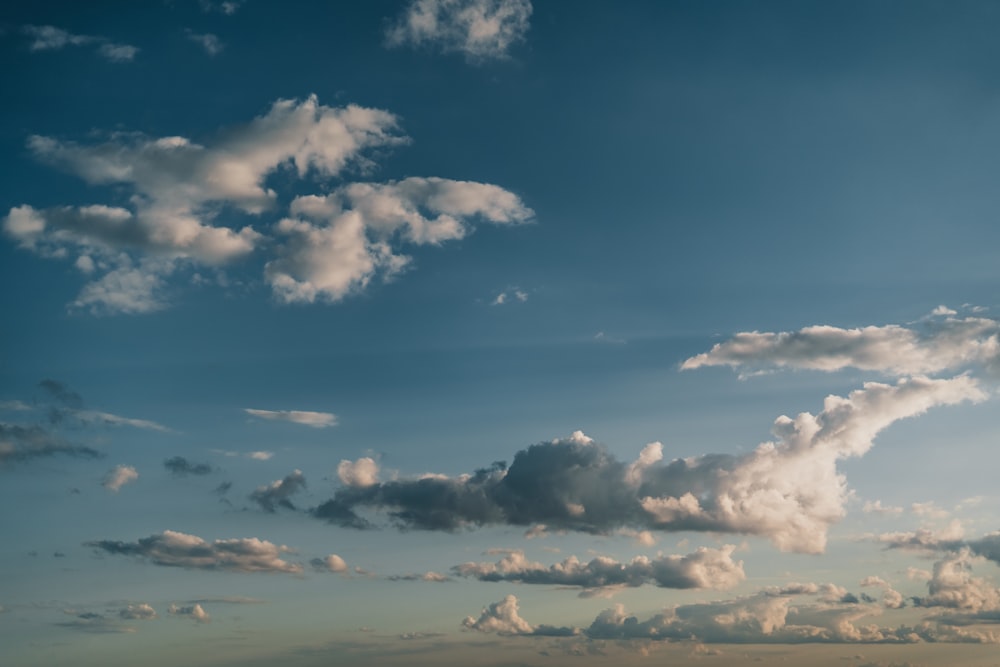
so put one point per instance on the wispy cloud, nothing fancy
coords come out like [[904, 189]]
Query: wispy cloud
[[51, 38], [118, 477], [304, 417], [480, 29]]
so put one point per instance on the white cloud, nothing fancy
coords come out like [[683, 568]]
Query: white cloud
[[261, 456], [337, 244], [138, 612], [363, 472], [174, 549], [195, 612], [480, 29], [500, 617], [118, 477], [878, 508], [118, 53], [211, 43], [332, 563], [704, 569], [304, 417], [506, 295], [953, 586], [940, 343]]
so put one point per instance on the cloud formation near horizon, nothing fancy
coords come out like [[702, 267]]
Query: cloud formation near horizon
[[787, 490]]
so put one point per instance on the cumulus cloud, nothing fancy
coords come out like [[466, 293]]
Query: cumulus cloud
[[304, 417], [952, 585], [138, 612], [705, 568], [194, 612], [502, 618], [937, 344], [480, 29], [179, 188], [174, 549], [332, 563], [279, 492], [788, 490], [180, 466], [118, 477], [360, 473], [336, 245], [51, 38]]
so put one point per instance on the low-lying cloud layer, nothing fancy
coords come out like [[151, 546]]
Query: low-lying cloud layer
[[788, 489], [704, 569]]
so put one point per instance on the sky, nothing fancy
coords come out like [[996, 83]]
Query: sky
[[499, 332]]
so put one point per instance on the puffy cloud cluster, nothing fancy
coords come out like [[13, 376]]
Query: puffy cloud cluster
[[502, 618], [174, 549], [480, 29], [360, 473], [184, 196], [304, 417], [279, 492], [788, 490], [766, 617], [705, 568], [940, 343], [332, 563], [335, 245]]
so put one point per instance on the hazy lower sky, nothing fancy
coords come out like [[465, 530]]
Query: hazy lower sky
[[499, 332]]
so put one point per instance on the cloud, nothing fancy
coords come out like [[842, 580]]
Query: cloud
[[180, 466], [788, 490], [360, 473], [195, 612], [332, 563], [93, 622], [938, 344], [502, 618], [178, 189], [173, 549], [705, 568], [480, 29], [138, 612], [211, 43], [953, 586], [878, 508], [118, 477], [433, 577], [25, 443], [51, 38], [336, 245], [506, 295], [228, 7], [278, 493], [304, 417]]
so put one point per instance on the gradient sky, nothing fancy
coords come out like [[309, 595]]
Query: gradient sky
[[491, 332]]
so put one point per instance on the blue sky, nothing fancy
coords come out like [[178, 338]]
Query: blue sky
[[498, 332]]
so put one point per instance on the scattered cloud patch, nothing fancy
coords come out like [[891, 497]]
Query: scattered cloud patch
[[51, 38], [279, 492], [118, 477], [332, 563], [509, 296], [360, 473], [174, 549], [195, 612], [304, 417], [479, 29], [211, 43], [138, 612], [180, 467]]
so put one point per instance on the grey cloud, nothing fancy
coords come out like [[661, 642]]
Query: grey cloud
[[705, 568], [51, 38], [61, 393], [278, 493], [788, 490], [174, 549], [180, 466], [25, 443]]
